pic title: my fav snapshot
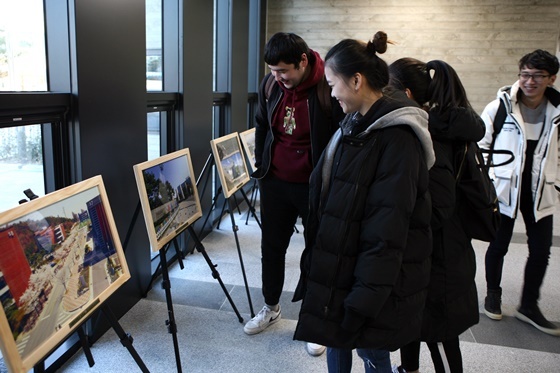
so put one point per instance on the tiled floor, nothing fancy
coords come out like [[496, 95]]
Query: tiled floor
[[211, 339]]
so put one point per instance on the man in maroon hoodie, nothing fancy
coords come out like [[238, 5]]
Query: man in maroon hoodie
[[293, 126]]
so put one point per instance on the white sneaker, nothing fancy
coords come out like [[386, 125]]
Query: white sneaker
[[263, 320], [315, 349]]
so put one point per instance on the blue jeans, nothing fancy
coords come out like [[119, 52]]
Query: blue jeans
[[375, 361]]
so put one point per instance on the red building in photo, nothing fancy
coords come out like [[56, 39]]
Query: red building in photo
[[13, 263]]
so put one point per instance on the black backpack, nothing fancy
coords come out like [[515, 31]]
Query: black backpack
[[477, 201]]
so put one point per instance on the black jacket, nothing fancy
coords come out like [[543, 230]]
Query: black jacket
[[452, 303], [365, 268], [323, 125]]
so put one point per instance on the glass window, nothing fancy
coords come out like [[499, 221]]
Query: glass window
[[154, 61], [154, 135], [22, 46], [21, 164]]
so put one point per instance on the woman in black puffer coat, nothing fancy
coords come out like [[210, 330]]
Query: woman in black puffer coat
[[365, 269], [452, 304]]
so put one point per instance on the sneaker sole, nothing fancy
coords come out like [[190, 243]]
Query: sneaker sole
[[493, 316], [257, 331], [522, 317], [314, 352]]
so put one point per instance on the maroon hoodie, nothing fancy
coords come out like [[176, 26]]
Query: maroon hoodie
[[291, 150]]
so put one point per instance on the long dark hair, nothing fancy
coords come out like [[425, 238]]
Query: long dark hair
[[434, 84], [410, 73], [445, 90]]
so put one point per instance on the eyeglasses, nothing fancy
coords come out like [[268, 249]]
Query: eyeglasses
[[537, 78]]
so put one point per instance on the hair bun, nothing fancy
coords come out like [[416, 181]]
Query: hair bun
[[380, 42]]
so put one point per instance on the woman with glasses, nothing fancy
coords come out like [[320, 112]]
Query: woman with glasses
[[529, 185]]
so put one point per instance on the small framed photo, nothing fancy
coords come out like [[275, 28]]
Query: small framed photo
[[60, 259], [248, 141], [230, 163], [168, 195]]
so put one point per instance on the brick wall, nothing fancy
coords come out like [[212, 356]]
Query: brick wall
[[482, 40]]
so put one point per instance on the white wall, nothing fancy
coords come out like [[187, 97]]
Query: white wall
[[482, 39]]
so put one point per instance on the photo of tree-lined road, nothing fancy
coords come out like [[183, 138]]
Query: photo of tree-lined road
[[172, 196]]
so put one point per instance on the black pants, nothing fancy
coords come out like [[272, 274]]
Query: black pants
[[281, 203], [539, 240], [446, 356]]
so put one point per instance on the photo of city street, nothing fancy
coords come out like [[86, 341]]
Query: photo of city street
[[55, 262], [231, 163], [171, 195]]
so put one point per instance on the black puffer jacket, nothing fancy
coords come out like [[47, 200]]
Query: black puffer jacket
[[365, 269], [452, 304]]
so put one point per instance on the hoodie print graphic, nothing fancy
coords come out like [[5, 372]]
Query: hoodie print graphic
[[290, 120]]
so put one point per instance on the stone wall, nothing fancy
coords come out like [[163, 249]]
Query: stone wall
[[482, 39]]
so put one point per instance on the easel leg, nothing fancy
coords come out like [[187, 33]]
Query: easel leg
[[251, 208], [180, 255], [235, 229], [222, 213], [85, 346], [171, 325], [126, 339], [215, 274], [253, 199]]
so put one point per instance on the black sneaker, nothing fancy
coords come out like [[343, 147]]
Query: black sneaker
[[533, 316], [493, 304]]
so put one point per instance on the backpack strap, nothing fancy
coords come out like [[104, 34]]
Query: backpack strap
[[323, 93], [268, 86], [499, 120], [324, 96]]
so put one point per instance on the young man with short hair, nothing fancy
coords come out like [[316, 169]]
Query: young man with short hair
[[293, 126], [529, 185]]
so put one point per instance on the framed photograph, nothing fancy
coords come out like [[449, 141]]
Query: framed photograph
[[248, 141], [168, 195], [230, 163], [60, 259]]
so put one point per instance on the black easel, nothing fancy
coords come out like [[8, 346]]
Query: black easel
[[210, 162], [158, 270], [125, 338], [215, 274], [166, 285], [253, 199]]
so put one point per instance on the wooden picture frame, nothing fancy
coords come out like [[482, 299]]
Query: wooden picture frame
[[230, 163], [60, 259], [168, 195], [248, 141]]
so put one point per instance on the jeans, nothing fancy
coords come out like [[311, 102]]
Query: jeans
[[281, 203], [375, 361]]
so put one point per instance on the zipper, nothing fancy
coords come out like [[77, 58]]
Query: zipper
[[270, 117]]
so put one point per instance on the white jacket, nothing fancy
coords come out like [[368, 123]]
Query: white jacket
[[546, 165]]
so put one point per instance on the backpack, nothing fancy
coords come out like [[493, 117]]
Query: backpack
[[323, 94], [477, 201]]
